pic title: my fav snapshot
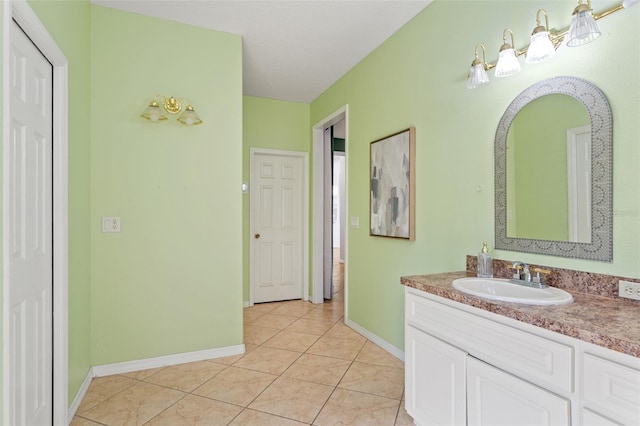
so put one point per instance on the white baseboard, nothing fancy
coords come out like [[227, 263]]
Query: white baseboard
[[376, 339], [162, 361], [75, 404], [246, 304]]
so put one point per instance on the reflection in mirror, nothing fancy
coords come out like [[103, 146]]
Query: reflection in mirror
[[548, 171], [553, 172]]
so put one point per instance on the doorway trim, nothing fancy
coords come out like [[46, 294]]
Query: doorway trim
[[319, 171], [22, 13], [304, 156]]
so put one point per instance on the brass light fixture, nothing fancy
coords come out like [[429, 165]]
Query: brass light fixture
[[173, 106], [507, 58], [541, 46], [478, 76], [583, 29]]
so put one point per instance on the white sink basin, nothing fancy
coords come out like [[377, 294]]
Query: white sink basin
[[503, 290]]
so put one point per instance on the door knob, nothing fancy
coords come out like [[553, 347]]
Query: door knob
[[257, 236]]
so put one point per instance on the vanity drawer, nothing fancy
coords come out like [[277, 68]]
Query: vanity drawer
[[532, 357], [611, 389]]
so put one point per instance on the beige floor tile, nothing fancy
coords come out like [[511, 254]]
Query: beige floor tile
[[298, 303], [294, 311], [263, 308], [337, 303], [80, 421], [337, 348], [251, 316], [352, 408], [134, 406], [196, 410], [186, 377], [142, 374], [257, 335], [236, 386], [274, 321], [318, 369], [374, 379], [293, 399], [374, 354], [257, 418], [344, 332], [324, 315], [227, 360], [403, 418], [102, 388], [292, 341], [268, 360], [309, 326]]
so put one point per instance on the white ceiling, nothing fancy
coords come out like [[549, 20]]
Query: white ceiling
[[292, 50]]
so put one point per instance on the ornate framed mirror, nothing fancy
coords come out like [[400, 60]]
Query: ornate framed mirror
[[554, 172]]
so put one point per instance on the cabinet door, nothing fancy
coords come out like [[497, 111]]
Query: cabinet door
[[497, 398], [589, 418], [435, 380]]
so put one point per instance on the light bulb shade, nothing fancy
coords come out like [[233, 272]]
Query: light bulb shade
[[478, 76], [583, 28], [508, 63], [153, 112], [189, 117], [540, 48]]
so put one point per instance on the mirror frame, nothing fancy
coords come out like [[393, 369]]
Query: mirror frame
[[597, 105]]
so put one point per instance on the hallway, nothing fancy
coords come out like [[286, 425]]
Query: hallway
[[302, 366]]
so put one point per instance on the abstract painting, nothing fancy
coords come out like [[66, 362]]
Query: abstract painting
[[392, 186]]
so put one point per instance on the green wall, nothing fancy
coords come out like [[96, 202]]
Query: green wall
[[415, 79], [171, 280], [271, 124]]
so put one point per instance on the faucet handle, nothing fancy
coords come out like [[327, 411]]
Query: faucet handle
[[538, 271], [518, 268]]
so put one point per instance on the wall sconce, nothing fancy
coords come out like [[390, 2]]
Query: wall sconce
[[478, 76], [544, 41], [583, 27], [507, 61], [541, 46], [173, 106]]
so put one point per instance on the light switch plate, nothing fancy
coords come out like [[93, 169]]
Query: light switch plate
[[110, 223]]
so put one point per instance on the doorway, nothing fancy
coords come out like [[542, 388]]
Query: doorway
[[323, 206], [334, 278], [35, 180]]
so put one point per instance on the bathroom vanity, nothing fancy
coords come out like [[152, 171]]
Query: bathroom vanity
[[478, 362]]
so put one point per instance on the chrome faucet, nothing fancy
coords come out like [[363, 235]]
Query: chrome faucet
[[525, 270], [525, 278]]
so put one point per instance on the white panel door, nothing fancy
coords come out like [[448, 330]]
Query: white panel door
[[30, 246], [496, 398], [277, 186]]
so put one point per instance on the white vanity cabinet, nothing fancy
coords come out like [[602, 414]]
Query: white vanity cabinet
[[468, 366]]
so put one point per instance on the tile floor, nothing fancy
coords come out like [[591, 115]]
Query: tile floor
[[302, 366]]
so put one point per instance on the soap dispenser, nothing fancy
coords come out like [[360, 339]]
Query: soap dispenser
[[485, 263]]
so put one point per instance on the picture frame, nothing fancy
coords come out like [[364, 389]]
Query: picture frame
[[392, 186]]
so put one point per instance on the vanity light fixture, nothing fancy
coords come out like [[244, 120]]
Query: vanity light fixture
[[582, 30], [478, 76], [583, 26], [508, 63], [173, 106], [541, 46]]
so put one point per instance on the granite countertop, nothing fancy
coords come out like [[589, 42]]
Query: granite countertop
[[609, 322]]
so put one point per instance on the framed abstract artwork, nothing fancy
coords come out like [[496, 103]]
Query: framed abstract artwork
[[392, 186]]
